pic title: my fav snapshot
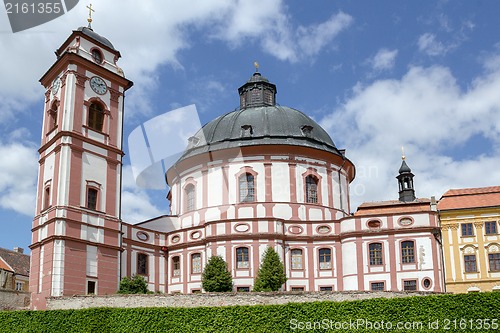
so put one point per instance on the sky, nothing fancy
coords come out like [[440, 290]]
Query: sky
[[377, 75]]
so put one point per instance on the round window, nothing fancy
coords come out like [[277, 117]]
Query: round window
[[427, 283]]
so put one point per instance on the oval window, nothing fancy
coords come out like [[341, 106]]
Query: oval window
[[324, 229], [295, 229], [405, 222], [427, 283], [141, 235], [242, 227], [374, 224], [176, 239], [195, 235]]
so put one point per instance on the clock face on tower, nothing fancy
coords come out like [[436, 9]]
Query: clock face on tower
[[98, 85]]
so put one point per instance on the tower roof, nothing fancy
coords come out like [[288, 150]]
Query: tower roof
[[95, 36], [404, 168]]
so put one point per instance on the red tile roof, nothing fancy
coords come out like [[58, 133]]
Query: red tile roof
[[470, 198], [393, 207], [19, 262]]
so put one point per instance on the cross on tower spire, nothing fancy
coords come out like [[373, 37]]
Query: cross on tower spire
[[90, 15]]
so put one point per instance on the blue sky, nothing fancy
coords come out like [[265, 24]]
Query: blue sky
[[377, 75]]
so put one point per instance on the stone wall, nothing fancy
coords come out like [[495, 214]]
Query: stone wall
[[213, 299], [14, 300]]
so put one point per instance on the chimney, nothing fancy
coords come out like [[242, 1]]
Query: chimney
[[18, 249]]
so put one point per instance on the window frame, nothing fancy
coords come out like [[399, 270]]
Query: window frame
[[190, 195], [94, 204], [467, 229], [96, 116], [325, 256], [192, 263], [470, 259], [406, 257], [312, 195], [488, 228], [376, 256], [142, 263], [242, 253], [176, 266], [246, 187], [292, 256], [495, 258], [372, 283], [406, 282]]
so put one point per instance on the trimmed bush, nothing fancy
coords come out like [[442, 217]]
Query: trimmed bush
[[216, 277], [271, 275], [435, 313]]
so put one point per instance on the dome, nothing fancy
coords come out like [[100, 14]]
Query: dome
[[90, 33], [259, 121]]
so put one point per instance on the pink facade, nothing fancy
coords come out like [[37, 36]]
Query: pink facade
[[264, 175]]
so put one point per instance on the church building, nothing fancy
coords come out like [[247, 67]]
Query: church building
[[263, 175]]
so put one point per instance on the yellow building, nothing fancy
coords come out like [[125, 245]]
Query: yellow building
[[471, 242]]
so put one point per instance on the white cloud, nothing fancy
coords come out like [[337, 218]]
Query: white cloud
[[427, 43], [136, 203], [18, 172], [383, 60], [428, 113]]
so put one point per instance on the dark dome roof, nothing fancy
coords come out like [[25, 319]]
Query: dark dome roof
[[90, 33], [265, 125], [259, 121]]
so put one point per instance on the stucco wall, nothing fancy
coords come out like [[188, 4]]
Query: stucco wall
[[213, 299]]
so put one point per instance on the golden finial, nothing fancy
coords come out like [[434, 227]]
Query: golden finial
[[256, 64], [403, 153], [90, 14]]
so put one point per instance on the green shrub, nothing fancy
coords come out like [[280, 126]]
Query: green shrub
[[134, 285], [216, 277], [271, 275], [435, 313]]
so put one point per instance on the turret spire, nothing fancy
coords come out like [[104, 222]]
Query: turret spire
[[405, 181]]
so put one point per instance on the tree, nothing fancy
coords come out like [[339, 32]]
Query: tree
[[134, 285], [271, 275], [216, 277]]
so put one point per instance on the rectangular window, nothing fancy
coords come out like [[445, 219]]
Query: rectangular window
[[243, 289], [467, 229], [297, 259], [410, 285], [377, 286], [196, 263], [325, 259], [325, 288], [46, 199], [297, 288], [92, 198], [142, 264], [408, 252], [19, 286], [242, 257], [176, 266], [490, 228], [494, 260], [375, 254], [247, 187], [91, 287], [470, 263]]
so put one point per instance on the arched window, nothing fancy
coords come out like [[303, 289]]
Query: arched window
[[196, 263], [408, 252], [247, 187], [46, 198], [96, 117], [190, 197], [375, 250], [176, 266], [296, 256], [325, 258], [97, 56], [53, 116], [242, 257], [311, 189], [142, 263]]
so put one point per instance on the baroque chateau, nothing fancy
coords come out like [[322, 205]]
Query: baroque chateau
[[263, 175]]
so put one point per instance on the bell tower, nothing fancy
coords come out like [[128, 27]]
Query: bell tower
[[405, 182], [76, 233]]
